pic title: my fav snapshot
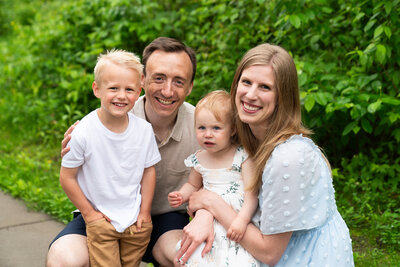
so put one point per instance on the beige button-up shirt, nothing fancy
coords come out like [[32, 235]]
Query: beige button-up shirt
[[171, 171]]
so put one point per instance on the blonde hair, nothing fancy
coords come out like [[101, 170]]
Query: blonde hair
[[119, 57], [219, 104], [285, 120]]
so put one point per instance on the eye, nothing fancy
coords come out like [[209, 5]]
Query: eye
[[130, 90], [266, 87], [201, 127], [246, 82], [158, 79], [179, 83], [217, 128], [113, 88]]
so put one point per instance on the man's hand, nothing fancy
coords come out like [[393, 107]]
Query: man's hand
[[67, 137]]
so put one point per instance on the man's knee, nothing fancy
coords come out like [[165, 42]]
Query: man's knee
[[164, 249], [68, 251]]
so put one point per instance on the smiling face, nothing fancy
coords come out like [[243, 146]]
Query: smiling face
[[213, 135], [255, 97], [167, 82], [118, 90]]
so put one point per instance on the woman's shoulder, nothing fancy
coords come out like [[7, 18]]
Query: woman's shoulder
[[296, 143]]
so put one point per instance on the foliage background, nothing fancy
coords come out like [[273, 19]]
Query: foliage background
[[348, 67]]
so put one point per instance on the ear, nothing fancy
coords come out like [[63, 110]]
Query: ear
[[95, 89], [142, 81], [233, 131], [189, 89]]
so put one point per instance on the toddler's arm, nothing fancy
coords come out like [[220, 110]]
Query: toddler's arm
[[71, 187], [193, 184], [239, 224]]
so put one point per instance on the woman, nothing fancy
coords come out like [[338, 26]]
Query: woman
[[299, 224]]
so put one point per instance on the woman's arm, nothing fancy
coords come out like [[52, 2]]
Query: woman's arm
[[266, 248]]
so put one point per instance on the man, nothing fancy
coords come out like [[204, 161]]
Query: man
[[169, 71]]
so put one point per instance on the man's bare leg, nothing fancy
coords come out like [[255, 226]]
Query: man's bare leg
[[68, 251], [165, 248]]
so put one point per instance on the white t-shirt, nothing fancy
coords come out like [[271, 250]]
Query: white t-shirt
[[111, 165]]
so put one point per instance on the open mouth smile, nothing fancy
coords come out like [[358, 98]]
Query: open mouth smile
[[165, 102], [249, 107]]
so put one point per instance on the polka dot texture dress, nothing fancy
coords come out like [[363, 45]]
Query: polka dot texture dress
[[297, 195]]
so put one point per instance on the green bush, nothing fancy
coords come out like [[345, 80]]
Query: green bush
[[345, 53]]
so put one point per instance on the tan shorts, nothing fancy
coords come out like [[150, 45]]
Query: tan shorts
[[107, 247]]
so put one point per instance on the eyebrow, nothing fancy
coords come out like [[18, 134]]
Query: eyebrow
[[163, 74]]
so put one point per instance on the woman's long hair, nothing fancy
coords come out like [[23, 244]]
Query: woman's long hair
[[285, 120]]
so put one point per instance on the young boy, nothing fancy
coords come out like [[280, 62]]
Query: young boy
[[108, 173]]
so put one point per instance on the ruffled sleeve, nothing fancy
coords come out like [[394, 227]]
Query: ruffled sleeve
[[191, 161], [239, 158], [296, 192]]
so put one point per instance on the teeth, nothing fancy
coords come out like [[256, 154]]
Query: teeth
[[251, 108], [165, 102], [120, 105]]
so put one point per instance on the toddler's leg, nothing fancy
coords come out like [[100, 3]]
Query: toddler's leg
[[103, 244], [133, 244]]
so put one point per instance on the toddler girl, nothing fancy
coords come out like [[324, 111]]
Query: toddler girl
[[222, 166]]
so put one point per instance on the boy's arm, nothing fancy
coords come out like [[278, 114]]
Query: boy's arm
[[71, 187], [148, 185]]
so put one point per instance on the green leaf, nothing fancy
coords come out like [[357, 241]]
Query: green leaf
[[373, 107], [295, 21], [309, 103], [391, 101], [366, 125], [380, 53], [356, 129], [388, 31], [378, 31], [322, 98], [349, 128], [369, 25]]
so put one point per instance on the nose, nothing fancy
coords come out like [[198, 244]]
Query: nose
[[208, 133], [167, 90], [252, 92], [121, 94]]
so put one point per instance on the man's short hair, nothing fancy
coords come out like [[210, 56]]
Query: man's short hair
[[169, 45]]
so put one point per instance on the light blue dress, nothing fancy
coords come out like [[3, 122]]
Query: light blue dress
[[297, 195]]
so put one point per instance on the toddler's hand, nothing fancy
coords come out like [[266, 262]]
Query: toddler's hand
[[237, 229], [175, 199]]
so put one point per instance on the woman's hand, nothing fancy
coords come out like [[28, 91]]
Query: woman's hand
[[67, 137], [199, 230], [201, 199]]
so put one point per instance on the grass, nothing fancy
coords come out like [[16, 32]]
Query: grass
[[30, 171]]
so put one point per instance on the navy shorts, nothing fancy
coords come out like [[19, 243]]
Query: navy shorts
[[161, 223]]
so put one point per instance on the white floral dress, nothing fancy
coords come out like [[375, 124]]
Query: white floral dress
[[228, 184]]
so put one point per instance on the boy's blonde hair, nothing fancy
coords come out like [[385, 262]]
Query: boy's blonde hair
[[119, 57], [218, 102]]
